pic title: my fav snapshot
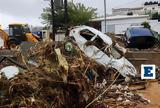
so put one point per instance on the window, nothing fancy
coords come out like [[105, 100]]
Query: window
[[99, 43], [128, 34], [26, 29], [10, 31], [115, 53], [87, 34]]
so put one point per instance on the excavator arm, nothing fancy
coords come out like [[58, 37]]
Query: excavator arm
[[4, 36], [32, 37]]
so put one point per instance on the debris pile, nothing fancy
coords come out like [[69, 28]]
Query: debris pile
[[56, 78], [120, 96]]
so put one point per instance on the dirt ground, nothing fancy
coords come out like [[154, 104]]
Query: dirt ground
[[152, 93]]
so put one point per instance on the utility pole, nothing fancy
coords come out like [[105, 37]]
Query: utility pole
[[105, 16], [53, 21], [66, 15]]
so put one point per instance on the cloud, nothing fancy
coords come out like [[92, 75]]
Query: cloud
[[23, 8], [29, 11]]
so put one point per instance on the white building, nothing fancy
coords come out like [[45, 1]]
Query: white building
[[125, 11], [141, 9], [119, 23], [155, 25], [151, 8]]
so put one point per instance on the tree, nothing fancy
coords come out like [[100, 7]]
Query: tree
[[150, 3], [77, 14], [146, 25], [155, 16], [146, 3]]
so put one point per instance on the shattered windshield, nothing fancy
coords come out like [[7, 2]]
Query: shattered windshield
[[87, 34]]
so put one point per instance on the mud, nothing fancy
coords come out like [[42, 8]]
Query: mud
[[152, 92]]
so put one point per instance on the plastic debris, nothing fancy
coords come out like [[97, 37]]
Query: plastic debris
[[9, 71]]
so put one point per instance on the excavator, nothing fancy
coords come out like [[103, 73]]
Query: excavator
[[18, 33]]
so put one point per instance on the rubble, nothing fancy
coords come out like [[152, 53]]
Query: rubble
[[65, 79]]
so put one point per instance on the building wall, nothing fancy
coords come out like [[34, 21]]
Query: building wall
[[121, 25], [152, 8], [124, 11], [145, 9], [155, 25]]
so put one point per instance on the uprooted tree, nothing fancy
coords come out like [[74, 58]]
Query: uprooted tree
[[78, 14]]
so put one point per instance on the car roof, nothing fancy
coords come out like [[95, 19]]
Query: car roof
[[103, 36], [138, 31]]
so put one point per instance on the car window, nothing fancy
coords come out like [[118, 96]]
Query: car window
[[99, 43], [128, 34], [115, 53], [87, 34]]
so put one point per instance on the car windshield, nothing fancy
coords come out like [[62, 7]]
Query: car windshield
[[140, 32]]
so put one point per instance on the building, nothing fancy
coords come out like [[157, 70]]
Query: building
[[125, 11], [155, 25], [151, 7], [119, 23], [143, 9]]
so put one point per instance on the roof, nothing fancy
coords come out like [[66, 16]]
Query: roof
[[132, 8], [18, 24], [131, 4], [117, 17]]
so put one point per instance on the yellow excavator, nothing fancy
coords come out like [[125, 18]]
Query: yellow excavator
[[4, 38], [18, 33]]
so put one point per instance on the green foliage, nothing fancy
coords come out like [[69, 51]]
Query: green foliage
[[78, 14], [155, 16], [146, 25]]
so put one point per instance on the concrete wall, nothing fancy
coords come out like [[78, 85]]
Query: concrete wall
[[121, 24], [152, 8], [124, 11], [155, 25]]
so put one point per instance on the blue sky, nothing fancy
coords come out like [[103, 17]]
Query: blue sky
[[28, 11]]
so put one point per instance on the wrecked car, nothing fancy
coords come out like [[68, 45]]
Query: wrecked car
[[100, 47], [139, 37]]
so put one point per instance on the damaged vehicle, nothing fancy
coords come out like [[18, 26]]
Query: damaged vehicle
[[100, 47], [139, 37]]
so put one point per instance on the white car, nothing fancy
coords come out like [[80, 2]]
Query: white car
[[99, 47]]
